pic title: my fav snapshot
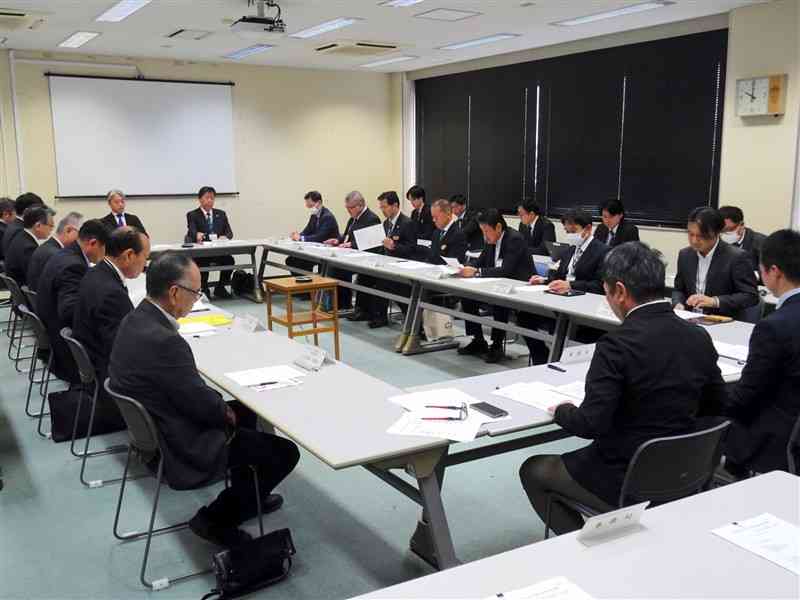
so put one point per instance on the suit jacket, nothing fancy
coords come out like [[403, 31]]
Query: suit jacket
[[18, 257], [321, 227], [404, 235], [452, 244], [196, 223], [153, 364], [12, 229], [365, 219], [649, 378], [57, 297], [3, 227], [543, 231], [730, 278], [39, 259], [588, 270], [765, 403], [110, 221], [626, 232], [517, 262], [424, 221], [751, 244], [469, 226]]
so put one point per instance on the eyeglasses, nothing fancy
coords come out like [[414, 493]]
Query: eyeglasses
[[197, 293], [463, 412]]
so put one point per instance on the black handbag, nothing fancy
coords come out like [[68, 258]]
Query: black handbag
[[253, 565], [63, 407]]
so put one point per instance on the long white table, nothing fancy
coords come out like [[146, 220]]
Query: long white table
[[674, 556]]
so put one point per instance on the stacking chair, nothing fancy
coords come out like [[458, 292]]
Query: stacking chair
[[793, 449], [144, 443], [662, 470], [41, 354], [30, 297], [19, 324]]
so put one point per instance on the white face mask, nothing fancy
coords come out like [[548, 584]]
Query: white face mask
[[573, 239], [314, 210], [730, 237]]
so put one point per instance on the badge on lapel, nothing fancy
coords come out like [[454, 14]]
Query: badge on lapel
[[396, 238], [444, 247]]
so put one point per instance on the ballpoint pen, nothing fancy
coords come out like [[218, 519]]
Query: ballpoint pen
[[445, 407], [555, 368], [441, 419]]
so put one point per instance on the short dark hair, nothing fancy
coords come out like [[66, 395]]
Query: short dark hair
[[165, 271], [6, 205], [491, 217], [613, 206], [639, 268], [25, 201], [389, 197], [459, 199], [36, 214], [782, 249], [125, 238], [204, 190], [416, 192], [530, 207], [314, 196], [732, 213], [577, 216], [708, 220], [93, 229]]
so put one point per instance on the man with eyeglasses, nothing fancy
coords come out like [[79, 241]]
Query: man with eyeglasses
[[38, 225], [66, 233], [201, 436]]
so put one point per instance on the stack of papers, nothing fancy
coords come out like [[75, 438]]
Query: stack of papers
[[557, 588], [213, 319], [729, 371], [531, 288], [412, 265], [267, 378], [369, 237], [543, 396], [197, 329], [733, 351], [768, 537]]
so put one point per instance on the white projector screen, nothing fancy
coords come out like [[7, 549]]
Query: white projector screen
[[144, 137]]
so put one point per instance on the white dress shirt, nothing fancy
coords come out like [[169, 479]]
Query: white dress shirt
[[703, 264], [576, 256]]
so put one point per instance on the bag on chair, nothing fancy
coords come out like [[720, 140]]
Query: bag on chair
[[64, 405], [437, 325]]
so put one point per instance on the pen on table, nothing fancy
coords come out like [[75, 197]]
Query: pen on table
[[445, 407], [441, 419], [264, 383], [555, 368]]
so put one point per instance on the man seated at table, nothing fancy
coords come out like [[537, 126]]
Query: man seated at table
[[421, 215], [765, 403], [21, 204], [505, 255], [466, 221], [208, 224], [535, 228], [321, 226], [737, 234], [615, 230], [66, 233], [118, 217], [649, 378], [38, 225], [201, 436], [713, 277], [580, 269], [360, 217], [103, 302], [6, 218]]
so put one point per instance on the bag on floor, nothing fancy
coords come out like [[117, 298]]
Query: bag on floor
[[437, 325], [242, 282], [64, 405]]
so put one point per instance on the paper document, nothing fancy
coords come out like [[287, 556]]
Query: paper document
[[557, 588], [424, 243], [370, 237], [536, 394], [767, 536], [213, 319], [734, 351], [458, 431], [267, 377], [531, 288], [442, 397], [196, 328], [480, 279], [412, 265], [686, 314], [452, 262], [575, 390], [729, 370]]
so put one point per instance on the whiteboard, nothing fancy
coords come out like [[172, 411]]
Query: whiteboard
[[143, 137]]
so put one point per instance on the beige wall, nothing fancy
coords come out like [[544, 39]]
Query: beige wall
[[294, 129]]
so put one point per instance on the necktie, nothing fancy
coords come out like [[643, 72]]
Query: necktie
[[209, 224], [387, 226], [610, 237], [119, 221], [576, 258]]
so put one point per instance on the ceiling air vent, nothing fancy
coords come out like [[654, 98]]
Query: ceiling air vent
[[14, 20], [356, 49]]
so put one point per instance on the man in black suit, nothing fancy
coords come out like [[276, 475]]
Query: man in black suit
[[58, 290], [649, 378], [713, 277], [421, 215], [467, 222], [615, 230], [505, 255], [201, 436], [6, 218], [360, 217], [21, 204], [103, 302], [118, 217], [37, 226], [736, 234], [448, 240], [535, 228], [207, 224], [581, 268], [765, 403], [66, 233], [321, 226]]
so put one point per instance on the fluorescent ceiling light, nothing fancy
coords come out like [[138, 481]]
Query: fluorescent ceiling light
[[122, 10], [78, 39], [400, 3], [249, 51], [325, 27], [611, 14], [388, 61], [480, 41]]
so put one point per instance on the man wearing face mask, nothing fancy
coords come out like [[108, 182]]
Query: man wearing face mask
[[321, 226], [651, 377], [736, 234]]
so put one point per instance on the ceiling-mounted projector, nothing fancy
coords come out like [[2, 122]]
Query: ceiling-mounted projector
[[260, 23]]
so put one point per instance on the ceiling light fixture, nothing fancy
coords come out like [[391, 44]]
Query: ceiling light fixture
[[388, 61], [400, 3], [249, 51], [325, 27], [612, 14], [78, 39], [122, 10], [480, 41]]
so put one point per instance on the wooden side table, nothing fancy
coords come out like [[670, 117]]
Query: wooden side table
[[289, 286]]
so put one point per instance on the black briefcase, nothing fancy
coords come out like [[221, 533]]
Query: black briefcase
[[63, 407]]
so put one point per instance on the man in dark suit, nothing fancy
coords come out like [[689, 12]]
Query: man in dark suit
[[421, 215], [615, 230], [201, 436], [467, 222], [736, 234], [765, 404], [37, 226], [6, 218], [505, 255], [649, 378], [58, 290], [360, 217], [713, 277], [207, 224], [321, 226], [21, 204], [118, 217], [535, 228], [581, 268], [448, 240], [66, 233], [103, 302]]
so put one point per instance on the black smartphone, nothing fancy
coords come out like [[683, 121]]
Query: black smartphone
[[568, 294], [489, 410], [304, 279]]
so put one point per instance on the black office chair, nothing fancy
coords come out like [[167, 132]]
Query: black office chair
[[144, 443], [662, 470], [793, 448], [41, 354], [30, 297], [19, 326]]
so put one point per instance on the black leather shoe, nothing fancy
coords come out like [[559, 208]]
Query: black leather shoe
[[475, 348], [221, 293], [378, 323], [496, 354], [226, 537], [358, 315]]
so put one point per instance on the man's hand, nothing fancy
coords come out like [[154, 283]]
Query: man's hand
[[701, 301], [680, 307], [230, 416], [199, 237], [537, 280], [346, 245], [388, 243], [560, 286], [332, 242], [467, 272], [295, 236]]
